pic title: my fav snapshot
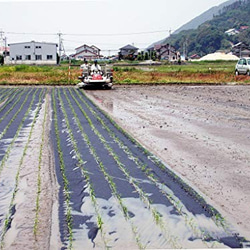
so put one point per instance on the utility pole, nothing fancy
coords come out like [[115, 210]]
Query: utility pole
[[61, 48], [1, 34], [3, 43], [5, 47]]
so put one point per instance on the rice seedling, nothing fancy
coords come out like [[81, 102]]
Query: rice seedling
[[6, 155], [11, 108], [62, 168], [7, 220], [142, 194], [148, 171], [102, 168]]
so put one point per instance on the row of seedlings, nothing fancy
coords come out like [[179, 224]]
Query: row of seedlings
[[172, 240], [155, 177], [5, 97], [108, 178], [73, 177], [180, 208], [8, 105], [11, 129], [4, 93], [98, 208], [65, 183], [9, 213]]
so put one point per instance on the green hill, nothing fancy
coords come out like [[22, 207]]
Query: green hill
[[210, 36], [206, 16]]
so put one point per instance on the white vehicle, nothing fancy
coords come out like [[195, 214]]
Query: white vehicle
[[243, 66], [100, 78]]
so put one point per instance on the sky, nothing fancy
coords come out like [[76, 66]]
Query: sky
[[107, 24]]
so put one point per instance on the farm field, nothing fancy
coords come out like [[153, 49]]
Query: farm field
[[71, 177], [216, 72]]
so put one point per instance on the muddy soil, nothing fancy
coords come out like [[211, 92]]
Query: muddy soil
[[201, 132]]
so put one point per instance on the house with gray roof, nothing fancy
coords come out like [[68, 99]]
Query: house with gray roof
[[128, 52]]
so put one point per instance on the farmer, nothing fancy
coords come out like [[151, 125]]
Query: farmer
[[95, 67], [84, 65]]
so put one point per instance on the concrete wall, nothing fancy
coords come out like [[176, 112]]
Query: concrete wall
[[33, 53]]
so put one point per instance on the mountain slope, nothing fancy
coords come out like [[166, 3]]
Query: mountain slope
[[210, 36], [196, 22], [206, 16]]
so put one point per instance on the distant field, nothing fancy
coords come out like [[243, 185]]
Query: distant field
[[218, 72]]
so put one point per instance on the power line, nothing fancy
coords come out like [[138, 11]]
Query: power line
[[88, 34], [31, 33], [118, 34]]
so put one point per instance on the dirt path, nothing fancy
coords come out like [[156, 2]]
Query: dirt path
[[201, 132]]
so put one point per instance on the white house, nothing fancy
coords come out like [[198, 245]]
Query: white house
[[87, 52], [232, 32], [38, 53]]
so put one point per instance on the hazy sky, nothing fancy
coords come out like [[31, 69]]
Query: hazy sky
[[108, 24]]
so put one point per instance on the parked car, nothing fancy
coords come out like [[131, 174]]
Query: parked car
[[243, 66]]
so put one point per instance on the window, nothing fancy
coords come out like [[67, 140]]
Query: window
[[49, 57], [27, 47], [27, 57], [38, 57], [38, 47], [18, 57]]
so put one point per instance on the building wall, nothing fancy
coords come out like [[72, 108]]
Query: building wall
[[87, 52], [87, 55], [33, 53]]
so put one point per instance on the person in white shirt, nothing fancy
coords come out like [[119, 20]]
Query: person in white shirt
[[95, 67], [84, 65]]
